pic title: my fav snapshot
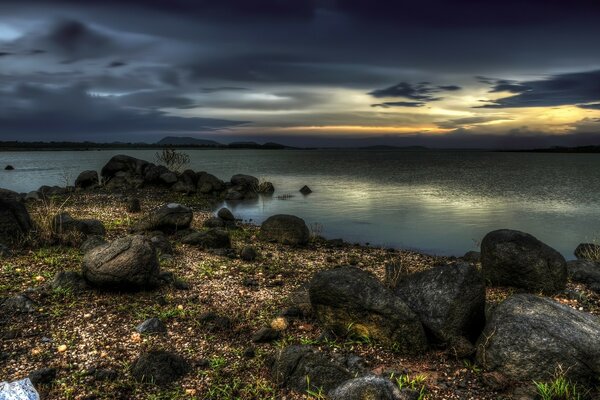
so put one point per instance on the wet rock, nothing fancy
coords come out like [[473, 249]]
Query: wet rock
[[266, 188], [350, 301], [87, 179], [300, 368], [285, 229], [211, 239], [34, 195], [367, 388], [69, 280], [127, 263], [305, 190], [9, 168], [123, 164], [513, 258], [449, 300], [159, 367], [248, 253], [528, 336], [265, 335], [208, 183], [247, 181], [151, 325]]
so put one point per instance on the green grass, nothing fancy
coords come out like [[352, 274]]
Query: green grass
[[416, 382], [560, 388]]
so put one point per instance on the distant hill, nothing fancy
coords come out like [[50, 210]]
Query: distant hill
[[387, 147], [559, 149], [186, 141]]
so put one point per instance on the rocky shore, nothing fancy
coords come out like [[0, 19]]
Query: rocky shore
[[131, 285]]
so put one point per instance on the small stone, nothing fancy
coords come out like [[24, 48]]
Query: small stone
[[225, 214], [62, 348], [305, 190], [250, 352], [9, 168], [42, 376], [248, 253], [265, 335], [151, 325], [134, 205]]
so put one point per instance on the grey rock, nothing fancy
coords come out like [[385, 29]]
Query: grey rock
[[586, 272], [124, 164], [208, 183], [265, 335], [285, 229], [63, 223], [528, 336], [214, 322], [127, 263], [43, 376], [159, 367], [151, 325], [210, 239], [34, 195], [87, 179], [91, 242], [449, 300], [184, 187], [15, 222], [69, 280], [161, 243], [168, 218], [225, 214], [248, 181], [305, 190], [17, 304], [350, 301], [472, 256], [9, 168], [367, 388], [248, 253], [214, 222], [588, 251], [134, 205], [300, 368], [4, 251], [514, 258], [168, 178]]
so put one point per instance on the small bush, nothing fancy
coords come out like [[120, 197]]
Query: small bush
[[172, 159], [560, 388]]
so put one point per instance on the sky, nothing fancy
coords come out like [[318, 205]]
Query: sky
[[437, 73]]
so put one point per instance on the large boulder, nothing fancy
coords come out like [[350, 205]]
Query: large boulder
[[87, 179], [301, 368], [285, 229], [528, 337], [247, 181], [168, 218], [514, 258], [208, 183], [350, 301], [123, 163], [127, 263], [449, 300], [588, 251], [586, 272], [15, 222]]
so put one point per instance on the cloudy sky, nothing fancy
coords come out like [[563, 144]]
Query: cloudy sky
[[441, 73]]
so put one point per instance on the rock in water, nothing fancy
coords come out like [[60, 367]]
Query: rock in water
[[225, 214], [127, 263], [87, 179], [285, 229], [9, 168], [159, 367], [513, 258], [351, 301], [248, 181], [449, 300], [305, 190], [301, 368], [529, 336], [125, 164]]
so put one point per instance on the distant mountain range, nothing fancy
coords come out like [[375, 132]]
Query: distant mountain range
[[186, 141]]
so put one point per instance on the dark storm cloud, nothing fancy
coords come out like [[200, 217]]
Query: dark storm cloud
[[592, 106], [39, 113], [155, 100], [5, 53], [223, 89], [450, 88], [460, 122], [420, 91], [389, 104], [116, 64], [564, 89], [76, 40]]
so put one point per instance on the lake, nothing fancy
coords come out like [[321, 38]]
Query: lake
[[439, 202]]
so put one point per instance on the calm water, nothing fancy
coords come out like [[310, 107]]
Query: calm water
[[437, 202]]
